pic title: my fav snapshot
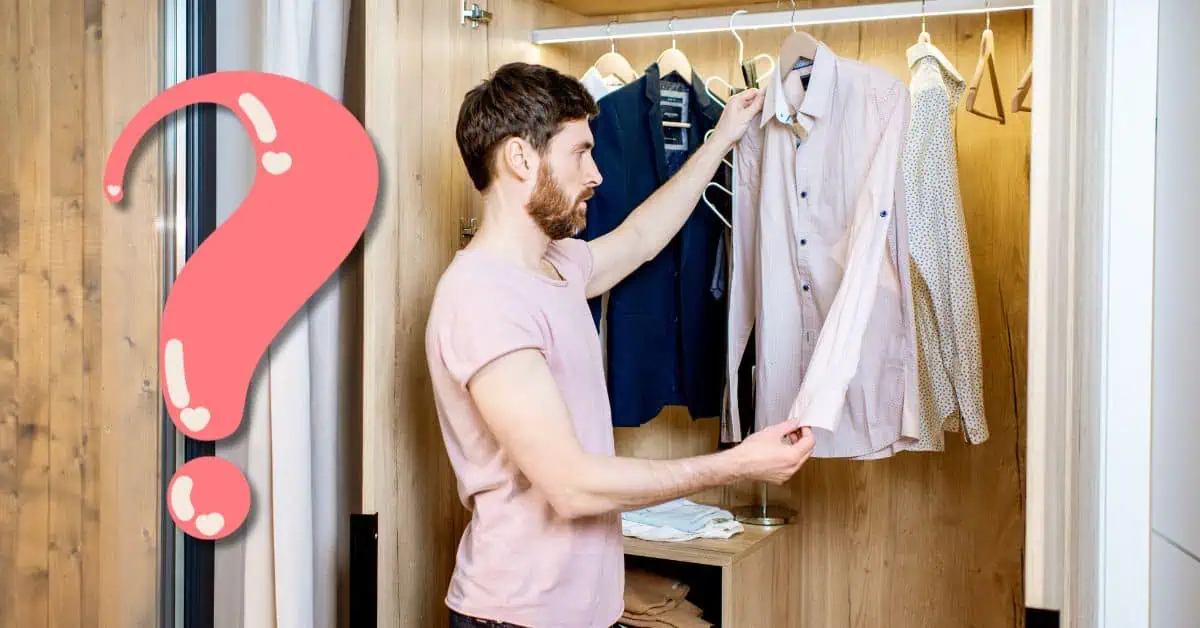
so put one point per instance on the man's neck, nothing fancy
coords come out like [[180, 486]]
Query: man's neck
[[507, 231]]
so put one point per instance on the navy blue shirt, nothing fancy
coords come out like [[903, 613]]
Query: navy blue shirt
[[666, 322]]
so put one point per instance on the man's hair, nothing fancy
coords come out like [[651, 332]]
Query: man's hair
[[519, 100]]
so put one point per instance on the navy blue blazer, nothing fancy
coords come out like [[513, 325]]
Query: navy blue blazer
[[666, 322]]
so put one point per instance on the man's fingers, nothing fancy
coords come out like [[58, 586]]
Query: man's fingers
[[747, 97]]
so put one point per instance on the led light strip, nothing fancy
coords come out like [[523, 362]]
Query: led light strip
[[773, 19]]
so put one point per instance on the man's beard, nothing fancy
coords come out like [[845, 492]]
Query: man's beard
[[556, 214]]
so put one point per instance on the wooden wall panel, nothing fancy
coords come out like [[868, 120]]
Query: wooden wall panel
[[79, 303], [419, 63], [949, 526]]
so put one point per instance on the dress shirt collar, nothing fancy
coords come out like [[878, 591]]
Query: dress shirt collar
[[817, 97], [923, 49]]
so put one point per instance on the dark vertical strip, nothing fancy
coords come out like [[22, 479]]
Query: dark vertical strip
[[1041, 618], [364, 570], [201, 131]]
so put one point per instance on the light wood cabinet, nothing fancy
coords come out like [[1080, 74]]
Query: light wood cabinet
[[754, 581]]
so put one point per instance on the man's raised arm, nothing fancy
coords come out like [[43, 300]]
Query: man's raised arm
[[653, 223]]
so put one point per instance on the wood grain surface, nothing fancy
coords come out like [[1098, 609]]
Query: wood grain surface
[[419, 63], [79, 304]]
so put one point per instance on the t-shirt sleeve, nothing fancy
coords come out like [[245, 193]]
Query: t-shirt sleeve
[[480, 326], [579, 255]]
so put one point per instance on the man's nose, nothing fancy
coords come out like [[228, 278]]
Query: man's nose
[[593, 178]]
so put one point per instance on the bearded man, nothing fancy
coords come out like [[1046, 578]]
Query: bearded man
[[516, 365]]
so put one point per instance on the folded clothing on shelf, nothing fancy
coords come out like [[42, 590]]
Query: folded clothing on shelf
[[679, 520], [654, 601]]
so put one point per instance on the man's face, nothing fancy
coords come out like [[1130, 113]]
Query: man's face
[[566, 179]]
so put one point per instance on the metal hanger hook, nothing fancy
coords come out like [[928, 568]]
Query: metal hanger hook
[[793, 18], [612, 43], [987, 14], [923, 16], [671, 29], [741, 46]]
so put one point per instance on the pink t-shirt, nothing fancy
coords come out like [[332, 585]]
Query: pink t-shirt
[[518, 562]]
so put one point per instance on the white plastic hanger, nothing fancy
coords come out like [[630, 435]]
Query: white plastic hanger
[[704, 197], [708, 89], [749, 68]]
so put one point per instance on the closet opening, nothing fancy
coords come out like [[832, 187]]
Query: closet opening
[[925, 530]]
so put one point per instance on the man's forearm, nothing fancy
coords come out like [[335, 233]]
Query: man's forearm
[[662, 215], [614, 484]]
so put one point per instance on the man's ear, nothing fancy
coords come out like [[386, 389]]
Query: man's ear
[[519, 159]]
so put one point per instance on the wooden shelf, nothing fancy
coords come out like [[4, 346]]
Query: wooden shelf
[[754, 566], [715, 552]]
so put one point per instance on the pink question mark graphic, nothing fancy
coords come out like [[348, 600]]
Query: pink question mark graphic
[[313, 194]]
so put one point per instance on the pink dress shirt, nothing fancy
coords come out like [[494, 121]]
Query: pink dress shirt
[[820, 261]]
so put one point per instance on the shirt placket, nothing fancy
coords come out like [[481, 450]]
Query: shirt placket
[[803, 197]]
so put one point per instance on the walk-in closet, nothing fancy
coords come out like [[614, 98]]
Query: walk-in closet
[[935, 536]]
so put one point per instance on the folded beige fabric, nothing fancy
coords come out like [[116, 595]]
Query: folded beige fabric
[[685, 615], [650, 594]]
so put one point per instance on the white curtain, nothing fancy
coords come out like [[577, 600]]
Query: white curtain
[[282, 570]]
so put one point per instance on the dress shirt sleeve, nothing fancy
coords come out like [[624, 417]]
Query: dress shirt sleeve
[[838, 348], [743, 275], [961, 346]]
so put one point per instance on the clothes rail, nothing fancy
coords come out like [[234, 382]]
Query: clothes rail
[[783, 18]]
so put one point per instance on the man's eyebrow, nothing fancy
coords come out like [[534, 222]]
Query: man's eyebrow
[[588, 144]]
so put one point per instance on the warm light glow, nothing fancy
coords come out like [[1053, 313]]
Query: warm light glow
[[778, 19]]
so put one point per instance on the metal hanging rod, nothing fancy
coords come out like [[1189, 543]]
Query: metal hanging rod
[[783, 18]]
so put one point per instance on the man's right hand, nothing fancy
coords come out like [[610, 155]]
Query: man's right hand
[[775, 453]]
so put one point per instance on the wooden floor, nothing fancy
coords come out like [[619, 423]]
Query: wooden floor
[[79, 302]]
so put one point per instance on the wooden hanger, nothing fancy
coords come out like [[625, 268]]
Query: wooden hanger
[[796, 46], [1018, 103], [673, 60], [799, 45], [987, 61], [612, 63], [925, 48]]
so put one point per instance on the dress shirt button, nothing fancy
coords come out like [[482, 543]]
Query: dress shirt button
[[883, 214], [804, 287], [803, 241], [804, 194]]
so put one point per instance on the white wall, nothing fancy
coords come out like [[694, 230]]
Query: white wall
[[1175, 517]]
